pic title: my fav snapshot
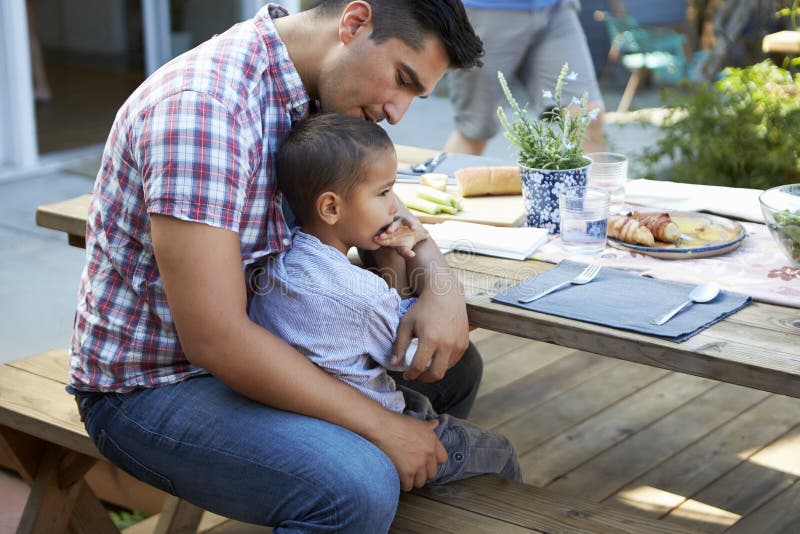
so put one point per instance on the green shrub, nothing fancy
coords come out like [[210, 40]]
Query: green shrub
[[742, 131], [123, 519]]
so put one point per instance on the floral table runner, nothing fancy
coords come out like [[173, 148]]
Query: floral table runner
[[757, 268]]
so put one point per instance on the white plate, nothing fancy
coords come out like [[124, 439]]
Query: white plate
[[709, 235]]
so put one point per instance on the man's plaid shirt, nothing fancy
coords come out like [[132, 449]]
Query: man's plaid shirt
[[197, 142]]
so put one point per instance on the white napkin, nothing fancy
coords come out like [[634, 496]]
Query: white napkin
[[503, 242], [729, 201]]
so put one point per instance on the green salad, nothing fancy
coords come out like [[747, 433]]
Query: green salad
[[787, 229]]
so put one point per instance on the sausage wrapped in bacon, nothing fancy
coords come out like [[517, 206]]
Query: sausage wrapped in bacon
[[629, 230], [661, 226]]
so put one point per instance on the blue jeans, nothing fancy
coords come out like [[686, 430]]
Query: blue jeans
[[204, 442]]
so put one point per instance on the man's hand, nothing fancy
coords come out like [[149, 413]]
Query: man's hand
[[439, 320], [413, 448], [403, 235]]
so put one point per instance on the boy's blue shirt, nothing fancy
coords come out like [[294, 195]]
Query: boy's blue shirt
[[342, 317]]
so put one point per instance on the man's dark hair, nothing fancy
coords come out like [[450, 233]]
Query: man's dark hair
[[326, 152], [412, 21]]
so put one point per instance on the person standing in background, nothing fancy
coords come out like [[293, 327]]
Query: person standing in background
[[41, 85], [529, 39]]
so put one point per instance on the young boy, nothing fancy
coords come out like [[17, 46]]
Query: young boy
[[337, 175]]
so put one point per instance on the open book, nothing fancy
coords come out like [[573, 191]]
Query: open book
[[504, 242]]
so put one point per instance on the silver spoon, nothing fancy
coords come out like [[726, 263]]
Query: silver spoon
[[702, 293]]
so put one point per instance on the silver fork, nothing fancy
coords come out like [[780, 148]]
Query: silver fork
[[586, 276]]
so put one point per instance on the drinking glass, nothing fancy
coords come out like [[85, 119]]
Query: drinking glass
[[583, 212], [609, 171]]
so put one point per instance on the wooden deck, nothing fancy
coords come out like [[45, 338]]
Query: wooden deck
[[710, 456]]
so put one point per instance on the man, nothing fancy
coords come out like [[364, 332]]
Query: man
[[175, 383], [530, 39]]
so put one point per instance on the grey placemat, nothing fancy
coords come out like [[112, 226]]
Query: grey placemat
[[622, 300], [453, 162]]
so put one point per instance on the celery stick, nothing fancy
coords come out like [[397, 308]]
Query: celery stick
[[420, 204], [434, 195]]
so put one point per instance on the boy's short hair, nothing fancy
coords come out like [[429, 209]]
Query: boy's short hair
[[412, 21], [327, 152]]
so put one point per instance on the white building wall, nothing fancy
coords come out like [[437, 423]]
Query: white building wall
[[17, 114]]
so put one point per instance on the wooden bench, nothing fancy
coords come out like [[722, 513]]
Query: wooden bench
[[42, 437]]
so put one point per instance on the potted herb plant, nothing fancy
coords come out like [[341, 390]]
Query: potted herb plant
[[551, 153]]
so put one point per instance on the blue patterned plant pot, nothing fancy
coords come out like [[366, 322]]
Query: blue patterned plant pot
[[540, 188]]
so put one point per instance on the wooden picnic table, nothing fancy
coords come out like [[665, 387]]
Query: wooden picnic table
[[758, 347]]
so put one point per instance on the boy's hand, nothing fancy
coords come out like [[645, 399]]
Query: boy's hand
[[403, 235]]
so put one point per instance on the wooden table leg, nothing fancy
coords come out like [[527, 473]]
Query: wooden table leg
[[76, 241], [49, 505], [178, 517], [24, 452], [89, 515], [60, 499]]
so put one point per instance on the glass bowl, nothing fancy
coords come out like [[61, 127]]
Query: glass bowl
[[781, 208]]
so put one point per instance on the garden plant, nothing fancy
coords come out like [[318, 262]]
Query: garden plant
[[741, 131]]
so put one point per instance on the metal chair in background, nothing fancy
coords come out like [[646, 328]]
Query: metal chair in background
[[666, 53], [661, 52]]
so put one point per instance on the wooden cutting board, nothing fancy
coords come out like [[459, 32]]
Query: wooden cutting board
[[505, 210]]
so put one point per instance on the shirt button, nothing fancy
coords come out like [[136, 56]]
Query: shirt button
[[286, 241]]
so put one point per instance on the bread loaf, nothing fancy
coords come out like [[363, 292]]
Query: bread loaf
[[499, 180], [629, 230]]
